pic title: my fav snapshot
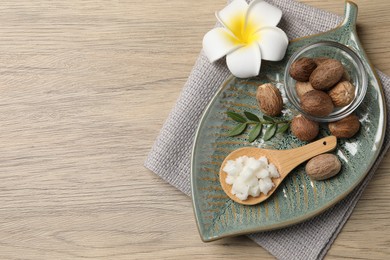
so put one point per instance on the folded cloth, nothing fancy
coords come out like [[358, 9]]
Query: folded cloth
[[170, 156]]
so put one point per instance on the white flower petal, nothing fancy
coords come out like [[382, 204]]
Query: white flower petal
[[233, 16], [218, 42], [245, 62], [262, 14], [273, 43]]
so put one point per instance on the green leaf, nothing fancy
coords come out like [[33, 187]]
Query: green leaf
[[251, 116], [283, 128], [254, 133], [269, 119], [237, 130], [236, 117], [269, 132]]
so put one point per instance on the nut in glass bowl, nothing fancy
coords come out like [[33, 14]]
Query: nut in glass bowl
[[322, 72]]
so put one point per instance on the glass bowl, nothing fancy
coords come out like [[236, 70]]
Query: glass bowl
[[352, 64]]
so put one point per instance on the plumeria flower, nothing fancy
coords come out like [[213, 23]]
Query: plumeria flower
[[248, 36]]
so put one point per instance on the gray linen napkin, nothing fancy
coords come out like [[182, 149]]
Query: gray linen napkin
[[171, 154]]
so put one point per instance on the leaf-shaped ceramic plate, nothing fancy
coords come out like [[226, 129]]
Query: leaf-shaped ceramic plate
[[298, 198]]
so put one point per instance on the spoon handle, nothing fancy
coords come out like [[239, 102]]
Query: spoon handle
[[293, 157]]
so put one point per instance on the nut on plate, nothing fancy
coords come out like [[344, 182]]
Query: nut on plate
[[302, 68], [346, 127], [342, 94], [269, 99], [304, 129], [323, 166], [317, 103], [327, 74], [302, 87]]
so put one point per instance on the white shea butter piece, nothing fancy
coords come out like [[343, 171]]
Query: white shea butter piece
[[250, 176]]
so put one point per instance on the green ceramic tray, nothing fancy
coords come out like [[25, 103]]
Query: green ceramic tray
[[298, 198]]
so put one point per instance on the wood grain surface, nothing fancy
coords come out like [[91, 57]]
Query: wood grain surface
[[85, 87]]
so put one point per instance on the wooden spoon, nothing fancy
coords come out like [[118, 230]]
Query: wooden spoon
[[284, 160]]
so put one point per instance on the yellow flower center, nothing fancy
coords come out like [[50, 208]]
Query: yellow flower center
[[245, 34]]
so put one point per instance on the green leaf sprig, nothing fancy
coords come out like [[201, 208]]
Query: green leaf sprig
[[274, 126]]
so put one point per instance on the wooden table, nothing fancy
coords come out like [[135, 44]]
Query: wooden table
[[85, 88]]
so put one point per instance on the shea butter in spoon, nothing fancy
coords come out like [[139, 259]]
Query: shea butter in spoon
[[239, 184], [250, 176]]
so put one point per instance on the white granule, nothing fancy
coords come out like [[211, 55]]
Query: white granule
[[250, 176]]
